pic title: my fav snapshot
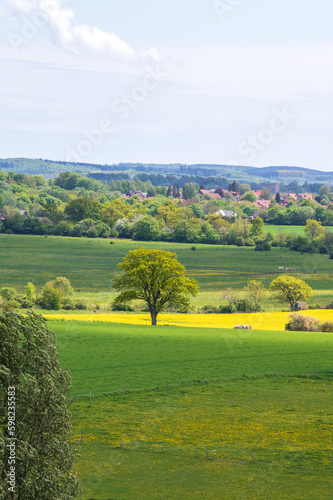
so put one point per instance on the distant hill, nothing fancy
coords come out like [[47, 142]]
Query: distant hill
[[291, 173], [241, 173]]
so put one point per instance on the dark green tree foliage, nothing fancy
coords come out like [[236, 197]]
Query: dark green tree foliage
[[209, 234], [82, 208], [186, 232], [67, 180], [146, 229], [198, 212], [233, 186], [175, 191], [44, 459], [190, 190], [8, 293]]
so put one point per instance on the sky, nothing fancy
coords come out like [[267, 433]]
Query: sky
[[240, 82]]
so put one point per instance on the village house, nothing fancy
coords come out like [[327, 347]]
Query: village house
[[132, 193], [262, 203], [142, 196], [211, 193], [229, 214], [304, 196]]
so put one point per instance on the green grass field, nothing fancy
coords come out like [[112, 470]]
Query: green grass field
[[287, 229], [92, 264], [189, 388], [106, 357], [284, 229], [268, 438]]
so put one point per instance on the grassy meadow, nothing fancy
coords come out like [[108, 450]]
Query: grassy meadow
[[161, 395], [284, 229], [189, 409], [91, 265], [107, 357], [266, 438]]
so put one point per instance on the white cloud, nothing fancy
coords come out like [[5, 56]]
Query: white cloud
[[152, 54], [83, 40]]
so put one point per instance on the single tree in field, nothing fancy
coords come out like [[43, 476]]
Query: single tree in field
[[291, 289], [256, 292], [33, 386], [314, 229], [156, 277]]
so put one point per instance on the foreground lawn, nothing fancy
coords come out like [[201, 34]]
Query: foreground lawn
[[284, 424], [106, 357]]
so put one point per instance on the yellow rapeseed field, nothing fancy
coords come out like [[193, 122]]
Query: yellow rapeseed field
[[258, 321]]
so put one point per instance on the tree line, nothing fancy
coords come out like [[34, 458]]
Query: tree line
[[77, 206]]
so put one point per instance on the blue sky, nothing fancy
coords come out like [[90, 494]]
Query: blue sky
[[194, 81]]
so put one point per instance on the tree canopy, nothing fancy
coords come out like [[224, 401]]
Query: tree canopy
[[257, 227], [314, 229], [256, 292], [156, 277], [291, 289], [31, 376]]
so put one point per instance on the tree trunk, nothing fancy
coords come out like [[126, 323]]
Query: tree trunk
[[153, 315]]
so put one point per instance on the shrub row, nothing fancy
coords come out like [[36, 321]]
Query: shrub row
[[301, 323]]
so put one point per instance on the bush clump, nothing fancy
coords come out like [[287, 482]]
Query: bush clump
[[246, 306], [263, 246], [80, 306], [209, 309], [68, 304], [8, 293], [25, 303], [118, 306], [301, 323], [51, 298], [327, 326]]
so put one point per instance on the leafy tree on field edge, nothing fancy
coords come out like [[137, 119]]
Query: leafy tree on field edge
[[290, 289], [157, 278]]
